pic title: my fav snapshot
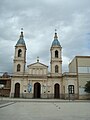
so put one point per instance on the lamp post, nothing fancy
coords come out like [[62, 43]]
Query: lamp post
[[1, 87]]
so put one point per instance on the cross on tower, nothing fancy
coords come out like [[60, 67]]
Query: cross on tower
[[55, 30]]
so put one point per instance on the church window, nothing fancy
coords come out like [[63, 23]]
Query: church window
[[56, 54], [56, 69], [71, 89], [18, 67], [19, 53]]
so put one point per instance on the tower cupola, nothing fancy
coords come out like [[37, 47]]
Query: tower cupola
[[55, 41], [21, 39]]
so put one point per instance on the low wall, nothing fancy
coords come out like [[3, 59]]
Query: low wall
[[84, 97]]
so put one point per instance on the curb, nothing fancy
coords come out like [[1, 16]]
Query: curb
[[7, 104]]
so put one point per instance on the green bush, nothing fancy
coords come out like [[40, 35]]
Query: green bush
[[87, 87]]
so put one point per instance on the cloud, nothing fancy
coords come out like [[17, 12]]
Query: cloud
[[39, 19], [75, 34]]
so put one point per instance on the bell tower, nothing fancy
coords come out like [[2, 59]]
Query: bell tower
[[56, 57], [20, 55]]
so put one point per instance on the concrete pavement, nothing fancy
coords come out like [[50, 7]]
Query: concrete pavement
[[46, 111]]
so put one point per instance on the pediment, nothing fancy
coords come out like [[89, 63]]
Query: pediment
[[37, 64]]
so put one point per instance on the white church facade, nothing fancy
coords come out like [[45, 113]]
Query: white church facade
[[37, 82]]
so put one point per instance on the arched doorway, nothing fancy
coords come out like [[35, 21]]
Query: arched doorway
[[56, 90], [17, 90], [37, 90]]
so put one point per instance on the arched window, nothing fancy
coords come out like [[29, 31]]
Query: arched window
[[19, 53], [56, 69], [56, 54], [18, 67], [71, 89]]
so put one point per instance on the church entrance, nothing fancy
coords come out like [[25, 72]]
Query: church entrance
[[37, 90], [56, 90], [17, 90]]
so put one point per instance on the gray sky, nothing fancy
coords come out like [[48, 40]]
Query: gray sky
[[39, 19]]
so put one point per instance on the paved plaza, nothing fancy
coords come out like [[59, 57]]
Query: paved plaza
[[34, 110]]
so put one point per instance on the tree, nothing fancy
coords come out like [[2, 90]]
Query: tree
[[87, 87]]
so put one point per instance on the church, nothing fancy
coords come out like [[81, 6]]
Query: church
[[36, 81]]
